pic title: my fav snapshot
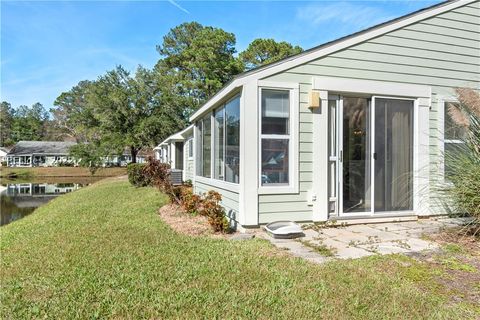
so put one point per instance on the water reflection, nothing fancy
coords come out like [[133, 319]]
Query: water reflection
[[18, 200]]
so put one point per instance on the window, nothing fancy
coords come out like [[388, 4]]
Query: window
[[232, 143], [453, 138], [190, 148], [219, 141], [225, 132], [206, 147], [275, 137]]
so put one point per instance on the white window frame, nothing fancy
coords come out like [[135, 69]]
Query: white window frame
[[441, 128], [293, 147], [211, 181]]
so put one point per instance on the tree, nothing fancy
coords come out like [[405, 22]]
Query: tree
[[73, 116], [29, 122], [6, 122], [89, 155], [199, 60], [265, 51], [126, 109]]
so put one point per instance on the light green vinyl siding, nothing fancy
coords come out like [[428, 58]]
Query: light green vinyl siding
[[442, 52], [229, 198]]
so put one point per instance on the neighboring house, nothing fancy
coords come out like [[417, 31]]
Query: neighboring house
[[353, 129], [3, 155], [126, 158], [177, 151], [40, 154]]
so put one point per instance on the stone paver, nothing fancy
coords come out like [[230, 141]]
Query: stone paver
[[356, 241]]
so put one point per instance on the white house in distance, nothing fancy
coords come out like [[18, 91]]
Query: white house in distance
[[3, 155], [177, 151], [39, 153], [354, 129], [57, 153]]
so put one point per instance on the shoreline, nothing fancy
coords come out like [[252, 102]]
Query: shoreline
[[13, 173]]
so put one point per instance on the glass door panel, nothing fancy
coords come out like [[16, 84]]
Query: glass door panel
[[355, 156], [393, 154]]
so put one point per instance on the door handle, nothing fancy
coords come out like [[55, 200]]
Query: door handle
[[374, 156], [341, 155]]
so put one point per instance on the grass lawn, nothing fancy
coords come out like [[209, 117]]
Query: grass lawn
[[60, 172], [103, 251]]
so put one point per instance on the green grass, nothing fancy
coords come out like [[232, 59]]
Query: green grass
[[103, 252]]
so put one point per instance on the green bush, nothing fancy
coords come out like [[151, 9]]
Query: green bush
[[136, 175], [464, 164]]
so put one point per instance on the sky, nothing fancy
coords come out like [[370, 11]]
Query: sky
[[47, 47]]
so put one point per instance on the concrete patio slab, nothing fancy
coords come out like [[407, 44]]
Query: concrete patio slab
[[357, 241]]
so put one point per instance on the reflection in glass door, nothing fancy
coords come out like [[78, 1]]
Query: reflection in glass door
[[355, 155]]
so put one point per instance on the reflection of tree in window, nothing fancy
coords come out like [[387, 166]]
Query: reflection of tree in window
[[454, 134]]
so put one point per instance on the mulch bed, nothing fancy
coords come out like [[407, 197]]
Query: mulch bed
[[188, 224]]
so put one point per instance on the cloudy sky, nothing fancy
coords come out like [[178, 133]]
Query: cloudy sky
[[49, 46]]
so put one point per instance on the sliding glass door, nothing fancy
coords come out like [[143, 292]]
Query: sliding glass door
[[374, 156], [393, 155], [355, 155]]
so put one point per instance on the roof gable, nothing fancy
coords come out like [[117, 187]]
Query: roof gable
[[41, 147]]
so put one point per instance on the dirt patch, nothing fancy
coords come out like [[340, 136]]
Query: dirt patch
[[184, 223], [459, 261], [460, 236]]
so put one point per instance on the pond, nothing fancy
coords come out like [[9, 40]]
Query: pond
[[19, 199]]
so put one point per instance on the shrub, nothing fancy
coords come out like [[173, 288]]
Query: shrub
[[136, 176], [465, 164], [211, 208], [190, 200], [159, 175]]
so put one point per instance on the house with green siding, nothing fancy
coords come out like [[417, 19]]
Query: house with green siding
[[177, 151], [351, 130]]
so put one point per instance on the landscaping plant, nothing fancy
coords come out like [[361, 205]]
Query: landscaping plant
[[190, 200], [159, 175], [211, 208], [464, 164], [136, 176]]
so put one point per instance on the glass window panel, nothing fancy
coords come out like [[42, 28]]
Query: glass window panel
[[178, 155], [332, 141], [199, 157], [451, 152], [232, 144], [218, 125], [190, 148], [452, 130], [356, 155], [207, 147], [275, 162], [394, 155], [275, 111]]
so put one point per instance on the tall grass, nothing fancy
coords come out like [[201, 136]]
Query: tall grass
[[464, 161]]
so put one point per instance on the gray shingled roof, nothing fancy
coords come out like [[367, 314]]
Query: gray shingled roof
[[41, 147]]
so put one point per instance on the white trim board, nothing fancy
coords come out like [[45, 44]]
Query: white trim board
[[229, 186], [371, 87], [327, 49]]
